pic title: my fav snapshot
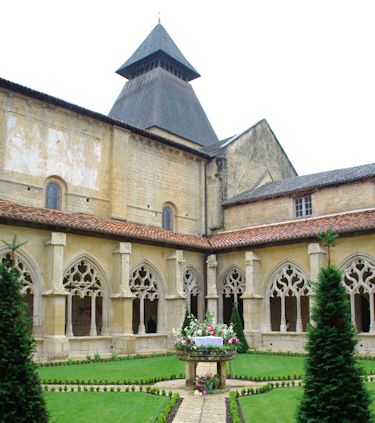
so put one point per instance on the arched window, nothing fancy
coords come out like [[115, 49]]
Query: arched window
[[85, 300], [53, 196], [167, 218], [288, 300], [233, 287], [144, 284], [191, 289], [359, 281], [27, 288]]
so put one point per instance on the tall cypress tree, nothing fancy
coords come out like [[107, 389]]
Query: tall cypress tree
[[237, 326], [187, 320], [21, 397], [334, 389]]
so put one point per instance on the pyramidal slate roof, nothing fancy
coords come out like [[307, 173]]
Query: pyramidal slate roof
[[303, 183], [158, 93], [158, 41]]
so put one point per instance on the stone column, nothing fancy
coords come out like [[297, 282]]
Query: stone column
[[93, 331], [122, 301], [212, 297], [252, 302], [318, 259], [55, 341], [175, 299]]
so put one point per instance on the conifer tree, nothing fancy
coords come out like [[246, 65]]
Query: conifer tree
[[235, 319], [187, 320], [21, 398], [334, 389]]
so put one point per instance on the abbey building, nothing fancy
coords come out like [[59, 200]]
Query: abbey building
[[132, 217]]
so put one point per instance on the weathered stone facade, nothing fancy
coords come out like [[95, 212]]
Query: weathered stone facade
[[144, 229]]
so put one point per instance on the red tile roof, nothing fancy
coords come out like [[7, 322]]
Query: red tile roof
[[344, 223], [11, 212]]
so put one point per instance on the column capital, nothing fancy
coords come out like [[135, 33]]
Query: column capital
[[123, 248], [178, 255], [250, 257], [211, 261], [57, 238], [315, 248]]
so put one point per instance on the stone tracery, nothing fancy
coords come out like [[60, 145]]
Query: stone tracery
[[145, 286], [191, 287], [359, 281], [288, 282], [83, 280]]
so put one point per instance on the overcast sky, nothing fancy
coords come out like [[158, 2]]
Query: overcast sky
[[308, 67]]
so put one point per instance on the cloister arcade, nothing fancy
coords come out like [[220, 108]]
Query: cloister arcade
[[286, 301]]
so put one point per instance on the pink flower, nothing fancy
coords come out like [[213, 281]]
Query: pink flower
[[233, 341]]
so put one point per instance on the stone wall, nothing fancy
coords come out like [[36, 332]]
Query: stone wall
[[103, 170], [343, 198]]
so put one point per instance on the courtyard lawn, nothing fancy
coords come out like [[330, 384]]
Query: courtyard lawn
[[255, 365], [280, 405], [84, 407], [116, 371]]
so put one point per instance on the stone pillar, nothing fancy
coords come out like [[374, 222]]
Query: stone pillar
[[175, 299], [55, 341], [212, 297], [252, 302], [318, 259], [122, 301]]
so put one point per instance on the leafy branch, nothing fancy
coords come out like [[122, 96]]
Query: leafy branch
[[13, 246], [328, 240]]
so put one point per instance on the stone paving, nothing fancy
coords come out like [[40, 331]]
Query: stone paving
[[197, 409]]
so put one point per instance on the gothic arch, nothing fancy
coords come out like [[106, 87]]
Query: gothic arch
[[231, 286], [148, 285], [358, 278], [33, 283], [194, 291], [286, 302], [87, 305]]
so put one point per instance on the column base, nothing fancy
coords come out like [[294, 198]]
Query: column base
[[56, 347]]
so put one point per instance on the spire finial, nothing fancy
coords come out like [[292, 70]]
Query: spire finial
[[159, 18]]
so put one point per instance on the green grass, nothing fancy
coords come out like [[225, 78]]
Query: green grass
[[116, 407], [254, 365], [116, 371], [280, 405]]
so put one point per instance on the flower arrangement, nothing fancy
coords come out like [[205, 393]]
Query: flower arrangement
[[206, 384], [206, 328]]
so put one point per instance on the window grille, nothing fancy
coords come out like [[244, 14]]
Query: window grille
[[303, 206], [167, 218], [53, 196]]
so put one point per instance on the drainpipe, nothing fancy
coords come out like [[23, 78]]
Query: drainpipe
[[205, 201]]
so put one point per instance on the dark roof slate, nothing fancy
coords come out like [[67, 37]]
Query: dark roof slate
[[159, 98], [303, 183], [158, 41]]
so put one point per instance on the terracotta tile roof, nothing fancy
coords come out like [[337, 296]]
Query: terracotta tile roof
[[344, 223], [11, 212]]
